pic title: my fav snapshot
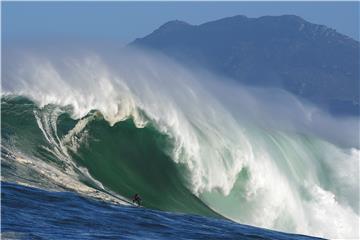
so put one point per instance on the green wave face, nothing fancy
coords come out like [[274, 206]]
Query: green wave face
[[18, 125], [124, 158], [132, 160]]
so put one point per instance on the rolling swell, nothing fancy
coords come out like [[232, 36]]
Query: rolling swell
[[123, 158]]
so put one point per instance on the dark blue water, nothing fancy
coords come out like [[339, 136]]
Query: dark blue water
[[31, 213]]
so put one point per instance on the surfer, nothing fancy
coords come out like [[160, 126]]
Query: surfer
[[137, 199]]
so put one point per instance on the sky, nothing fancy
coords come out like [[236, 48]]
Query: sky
[[122, 22]]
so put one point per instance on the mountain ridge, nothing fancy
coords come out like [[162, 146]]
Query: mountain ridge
[[312, 61]]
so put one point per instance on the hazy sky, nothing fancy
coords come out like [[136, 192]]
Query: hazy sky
[[122, 22]]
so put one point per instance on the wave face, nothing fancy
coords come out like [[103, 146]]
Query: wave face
[[124, 158], [144, 124]]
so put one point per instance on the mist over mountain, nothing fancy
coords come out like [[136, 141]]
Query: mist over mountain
[[312, 61]]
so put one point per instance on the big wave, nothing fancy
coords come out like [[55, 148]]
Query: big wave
[[111, 126]]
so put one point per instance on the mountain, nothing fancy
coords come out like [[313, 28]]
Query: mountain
[[312, 61]]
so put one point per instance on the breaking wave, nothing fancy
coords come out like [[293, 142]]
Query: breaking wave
[[141, 123]]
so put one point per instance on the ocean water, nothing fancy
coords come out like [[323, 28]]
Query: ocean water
[[32, 213], [107, 129]]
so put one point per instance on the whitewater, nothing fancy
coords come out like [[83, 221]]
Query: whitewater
[[186, 139]]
